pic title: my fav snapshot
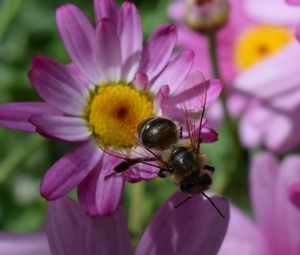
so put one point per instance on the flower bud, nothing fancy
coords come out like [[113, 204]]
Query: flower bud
[[206, 16]]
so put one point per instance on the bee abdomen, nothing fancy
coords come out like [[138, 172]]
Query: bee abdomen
[[158, 133]]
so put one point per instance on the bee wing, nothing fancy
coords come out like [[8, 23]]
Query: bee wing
[[192, 100], [139, 155]]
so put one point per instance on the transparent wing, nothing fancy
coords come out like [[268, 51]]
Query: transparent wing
[[132, 158], [192, 102]]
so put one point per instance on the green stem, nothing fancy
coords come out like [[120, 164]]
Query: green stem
[[216, 71], [135, 217], [8, 9], [238, 153], [23, 150]]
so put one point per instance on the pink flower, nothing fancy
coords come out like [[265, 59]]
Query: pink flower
[[185, 230], [24, 244], [100, 99], [274, 86], [276, 230], [256, 54]]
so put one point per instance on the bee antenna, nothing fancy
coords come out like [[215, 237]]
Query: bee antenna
[[213, 204], [182, 202]]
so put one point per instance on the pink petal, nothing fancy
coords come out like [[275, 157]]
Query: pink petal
[[108, 50], [16, 115], [215, 114], [294, 194], [254, 131], [237, 103], [140, 81], [73, 69], [22, 244], [265, 79], [70, 170], [175, 10], [175, 72], [208, 134], [61, 127], [52, 82], [131, 38], [250, 135], [161, 98], [282, 138], [78, 36], [187, 229], [242, 236], [279, 12], [71, 232], [158, 49], [288, 216], [100, 196], [298, 32], [296, 2], [60, 72], [196, 92], [106, 9], [279, 219], [263, 177]]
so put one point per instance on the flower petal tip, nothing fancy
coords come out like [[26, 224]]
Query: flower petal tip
[[294, 194]]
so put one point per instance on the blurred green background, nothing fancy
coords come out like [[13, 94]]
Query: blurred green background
[[28, 28]]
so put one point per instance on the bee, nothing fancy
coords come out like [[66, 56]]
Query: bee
[[179, 159], [183, 162]]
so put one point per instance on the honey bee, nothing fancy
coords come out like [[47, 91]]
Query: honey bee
[[179, 159], [183, 162]]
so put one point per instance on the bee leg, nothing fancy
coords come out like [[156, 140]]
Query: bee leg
[[209, 168], [161, 173], [120, 168], [180, 132]]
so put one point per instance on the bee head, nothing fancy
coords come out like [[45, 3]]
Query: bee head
[[196, 185]]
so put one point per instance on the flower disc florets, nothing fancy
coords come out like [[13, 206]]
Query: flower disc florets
[[258, 42], [115, 112]]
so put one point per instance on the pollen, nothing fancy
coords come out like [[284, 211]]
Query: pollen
[[114, 113], [259, 42]]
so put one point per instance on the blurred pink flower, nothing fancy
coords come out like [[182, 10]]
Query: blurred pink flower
[[24, 244], [296, 2], [112, 85], [193, 228], [276, 230], [266, 87], [244, 15]]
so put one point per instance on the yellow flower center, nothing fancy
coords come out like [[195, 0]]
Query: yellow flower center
[[114, 113], [258, 43]]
